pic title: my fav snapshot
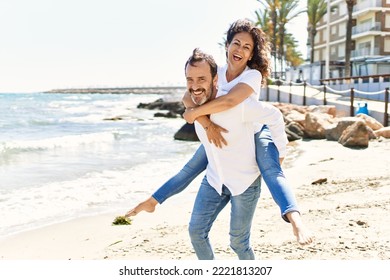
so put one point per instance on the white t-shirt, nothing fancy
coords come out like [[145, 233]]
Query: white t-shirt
[[235, 165]]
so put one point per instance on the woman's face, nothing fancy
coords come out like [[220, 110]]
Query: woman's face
[[240, 50]]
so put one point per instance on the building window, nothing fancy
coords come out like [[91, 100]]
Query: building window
[[387, 20], [333, 51], [342, 29], [316, 55], [335, 10], [334, 30], [317, 38], [387, 45], [341, 50], [343, 8], [364, 48]]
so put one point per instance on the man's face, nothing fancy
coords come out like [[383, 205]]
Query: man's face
[[200, 84]]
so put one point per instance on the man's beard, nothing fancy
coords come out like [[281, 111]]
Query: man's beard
[[206, 95]]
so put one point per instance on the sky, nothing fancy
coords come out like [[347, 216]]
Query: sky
[[51, 44]]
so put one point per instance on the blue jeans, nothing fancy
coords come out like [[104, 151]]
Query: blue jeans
[[208, 204], [267, 157]]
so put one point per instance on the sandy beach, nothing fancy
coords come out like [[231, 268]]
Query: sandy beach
[[348, 215]]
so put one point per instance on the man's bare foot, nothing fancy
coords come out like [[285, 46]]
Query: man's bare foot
[[303, 235], [148, 205]]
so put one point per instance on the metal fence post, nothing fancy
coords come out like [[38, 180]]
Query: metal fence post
[[304, 93], [386, 114], [324, 94], [352, 108]]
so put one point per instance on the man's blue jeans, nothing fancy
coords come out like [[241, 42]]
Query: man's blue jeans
[[267, 157], [208, 204]]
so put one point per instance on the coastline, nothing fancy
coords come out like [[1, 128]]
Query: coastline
[[348, 215]]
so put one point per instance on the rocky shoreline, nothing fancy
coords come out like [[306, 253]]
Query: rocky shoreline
[[302, 122]]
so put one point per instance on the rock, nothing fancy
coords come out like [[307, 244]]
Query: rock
[[186, 133], [176, 107], [370, 121], [334, 131], [355, 135], [170, 114], [316, 124], [383, 132], [295, 116], [324, 109], [294, 131]]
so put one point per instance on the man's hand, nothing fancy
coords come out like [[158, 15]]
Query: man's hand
[[214, 134], [189, 115]]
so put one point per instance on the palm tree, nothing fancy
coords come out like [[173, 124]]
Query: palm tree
[[287, 12], [272, 6], [348, 41], [316, 9], [277, 13], [293, 57]]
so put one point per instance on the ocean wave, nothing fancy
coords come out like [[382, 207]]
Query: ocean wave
[[95, 192], [14, 147]]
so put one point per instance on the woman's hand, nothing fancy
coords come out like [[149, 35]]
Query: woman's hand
[[189, 115], [214, 134]]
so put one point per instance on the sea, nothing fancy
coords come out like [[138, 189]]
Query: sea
[[70, 155]]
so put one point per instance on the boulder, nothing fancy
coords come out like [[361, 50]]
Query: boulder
[[355, 135], [334, 131], [294, 131], [175, 107], [186, 133], [325, 109], [316, 124], [370, 121], [383, 132]]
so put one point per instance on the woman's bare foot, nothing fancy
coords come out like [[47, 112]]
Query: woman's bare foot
[[148, 205], [303, 235]]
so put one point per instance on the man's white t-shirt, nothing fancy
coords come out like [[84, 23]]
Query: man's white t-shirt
[[235, 165]]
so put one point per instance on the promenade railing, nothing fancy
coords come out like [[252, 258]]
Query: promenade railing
[[326, 89]]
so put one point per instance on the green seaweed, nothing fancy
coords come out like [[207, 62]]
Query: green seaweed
[[121, 220]]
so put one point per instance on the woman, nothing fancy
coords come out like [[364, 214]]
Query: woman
[[247, 50]]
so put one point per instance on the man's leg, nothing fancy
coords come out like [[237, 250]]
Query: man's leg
[[241, 216], [208, 204]]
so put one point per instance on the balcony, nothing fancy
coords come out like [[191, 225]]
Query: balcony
[[367, 4], [365, 52], [366, 27]]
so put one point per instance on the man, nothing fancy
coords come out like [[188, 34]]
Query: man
[[232, 174]]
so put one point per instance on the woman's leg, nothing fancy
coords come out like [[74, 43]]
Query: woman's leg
[[196, 165], [267, 157]]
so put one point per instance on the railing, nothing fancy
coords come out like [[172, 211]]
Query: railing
[[365, 52], [324, 89], [369, 26], [367, 4]]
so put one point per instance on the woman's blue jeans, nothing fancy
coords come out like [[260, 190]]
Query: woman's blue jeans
[[208, 204], [267, 157]]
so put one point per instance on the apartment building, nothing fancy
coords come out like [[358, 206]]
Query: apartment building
[[370, 36]]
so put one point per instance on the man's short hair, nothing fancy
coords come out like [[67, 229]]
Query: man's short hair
[[198, 56]]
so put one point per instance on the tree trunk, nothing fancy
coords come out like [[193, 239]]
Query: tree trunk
[[348, 41]]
